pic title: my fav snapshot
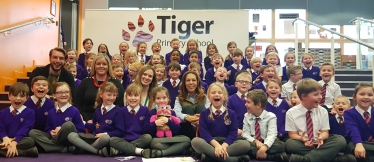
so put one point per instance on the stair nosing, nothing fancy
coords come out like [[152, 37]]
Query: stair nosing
[[337, 82], [353, 74]]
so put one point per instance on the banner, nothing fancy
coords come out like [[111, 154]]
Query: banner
[[205, 26]]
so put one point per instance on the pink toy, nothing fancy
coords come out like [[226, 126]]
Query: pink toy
[[164, 111]]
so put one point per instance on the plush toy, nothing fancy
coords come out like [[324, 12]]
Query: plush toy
[[164, 111]]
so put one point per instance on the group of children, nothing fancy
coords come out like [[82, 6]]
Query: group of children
[[252, 114]]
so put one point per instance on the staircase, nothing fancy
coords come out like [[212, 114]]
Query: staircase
[[348, 79], [7, 82]]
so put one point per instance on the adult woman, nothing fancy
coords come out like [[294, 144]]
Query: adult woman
[[146, 78], [189, 103], [101, 72]]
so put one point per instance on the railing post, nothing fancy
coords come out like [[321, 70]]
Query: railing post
[[358, 56], [306, 38], [296, 44], [332, 54]]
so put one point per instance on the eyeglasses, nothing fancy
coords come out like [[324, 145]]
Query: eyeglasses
[[243, 82], [63, 93]]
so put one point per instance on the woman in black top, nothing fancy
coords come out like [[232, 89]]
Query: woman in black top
[[85, 95]]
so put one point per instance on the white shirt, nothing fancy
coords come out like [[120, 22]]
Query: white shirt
[[19, 110], [223, 109], [140, 58], [136, 109], [307, 68], [236, 65], [177, 81], [143, 102], [107, 107], [35, 100], [361, 111], [159, 83], [287, 89], [264, 83], [63, 108], [268, 127], [332, 91], [296, 119], [240, 95], [279, 101], [279, 70], [182, 66], [337, 117]]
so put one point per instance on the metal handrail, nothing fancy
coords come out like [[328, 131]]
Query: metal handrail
[[362, 19], [334, 32], [36, 22]]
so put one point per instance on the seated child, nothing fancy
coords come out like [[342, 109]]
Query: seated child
[[267, 73], [330, 90], [255, 70], [195, 67], [221, 76], [237, 57], [260, 129], [295, 100], [272, 59], [341, 104], [73, 70], [217, 61], [294, 74]]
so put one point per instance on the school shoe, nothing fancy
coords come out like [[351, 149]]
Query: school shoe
[[146, 153], [190, 151], [298, 158], [244, 158], [345, 158], [113, 151], [281, 157], [103, 152], [31, 152]]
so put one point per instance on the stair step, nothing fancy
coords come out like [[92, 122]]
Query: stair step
[[354, 77], [7, 87], [4, 105], [4, 96], [23, 79], [347, 91], [352, 71]]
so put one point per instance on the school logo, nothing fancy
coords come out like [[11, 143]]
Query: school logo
[[67, 119], [108, 121], [141, 118], [140, 36], [21, 120], [283, 111], [314, 73], [227, 121], [46, 113]]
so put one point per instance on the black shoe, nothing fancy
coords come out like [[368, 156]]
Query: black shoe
[[298, 158], [244, 158], [31, 152], [345, 158], [190, 151], [281, 157]]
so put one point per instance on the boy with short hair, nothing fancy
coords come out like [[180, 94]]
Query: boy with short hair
[[39, 102], [15, 123], [174, 44], [236, 101], [73, 70], [272, 59], [308, 125], [237, 57], [260, 129], [194, 58], [295, 74], [217, 61], [172, 84], [256, 64], [337, 125], [118, 73], [330, 90], [221, 77], [195, 67], [267, 72]]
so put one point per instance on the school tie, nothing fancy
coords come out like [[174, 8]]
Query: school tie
[[132, 111], [249, 62], [174, 84], [242, 97], [142, 59], [308, 69], [275, 103], [89, 71], [323, 93], [367, 121], [218, 113], [14, 112], [237, 68], [257, 130], [59, 111], [104, 110], [309, 126], [341, 120], [38, 103], [294, 87]]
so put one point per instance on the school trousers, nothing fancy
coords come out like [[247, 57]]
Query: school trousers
[[171, 146], [327, 152], [238, 148], [369, 148], [128, 147], [24, 144], [56, 143], [277, 147]]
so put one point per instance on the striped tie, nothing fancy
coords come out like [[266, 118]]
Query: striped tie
[[323, 93], [104, 110], [218, 113], [275, 103], [294, 87], [257, 130], [174, 84], [242, 97], [39, 103], [132, 112], [59, 111], [367, 120], [341, 120], [14, 112], [237, 68], [309, 126]]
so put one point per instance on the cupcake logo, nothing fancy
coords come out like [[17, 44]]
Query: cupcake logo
[[108, 121], [67, 119], [46, 113], [21, 120], [141, 36], [227, 121]]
